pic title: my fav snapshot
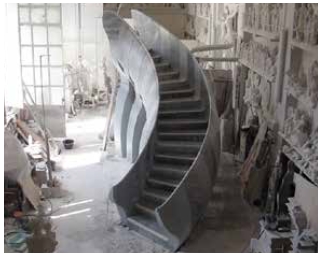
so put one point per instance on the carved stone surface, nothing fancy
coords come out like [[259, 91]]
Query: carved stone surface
[[305, 26], [265, 17]]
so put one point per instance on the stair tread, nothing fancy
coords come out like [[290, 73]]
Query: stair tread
[[163, 180], [179, 100], [179, 143], [166, 73], [172, 81], [161, 64], [182, 121], [177, 91], [170, 168], [157, 193], [148, 224], [146, 207], [182, 157], [177, 111], [182, 133]]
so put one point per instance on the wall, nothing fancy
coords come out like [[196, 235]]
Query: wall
[[276, 74], [170, 15], [83, 35]]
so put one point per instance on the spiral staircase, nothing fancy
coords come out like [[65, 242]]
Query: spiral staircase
[[170, 182]]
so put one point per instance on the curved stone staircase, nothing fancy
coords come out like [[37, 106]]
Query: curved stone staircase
[[169, 185]]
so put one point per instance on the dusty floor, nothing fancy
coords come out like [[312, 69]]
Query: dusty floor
[[85, 221]]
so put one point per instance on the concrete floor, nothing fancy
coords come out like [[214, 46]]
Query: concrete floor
[[85, 221]]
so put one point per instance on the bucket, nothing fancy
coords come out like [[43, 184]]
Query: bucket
[[68, 143]]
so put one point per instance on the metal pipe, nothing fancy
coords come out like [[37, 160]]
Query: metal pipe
[[212, 47], [218, 59], [44, 125]]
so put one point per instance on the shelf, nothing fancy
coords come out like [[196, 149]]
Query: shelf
[[259, 72], [308, 172], [270, 35], [305, 46]]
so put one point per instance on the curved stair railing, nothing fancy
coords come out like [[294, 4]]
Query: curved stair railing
[[170, 184], [137, 70]]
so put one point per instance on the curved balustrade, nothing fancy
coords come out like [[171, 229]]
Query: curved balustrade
[[139, 110], [164, 207]]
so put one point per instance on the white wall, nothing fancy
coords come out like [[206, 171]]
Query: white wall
[[86, 37], [12, 71]]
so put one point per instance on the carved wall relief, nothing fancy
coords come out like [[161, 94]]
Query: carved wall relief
[[305, 26], [260, 57], [264, 16]]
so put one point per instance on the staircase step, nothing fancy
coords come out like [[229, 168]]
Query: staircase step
[[156, 194], [146, 206], [173, 159], [168, 75], [156, 58], [173, 84], [168, 171], [181, 93], [182, 113], [184, 148], [185, 103], [182, 136], [162, 66], [177, 124], [162, 183], [148, 227]]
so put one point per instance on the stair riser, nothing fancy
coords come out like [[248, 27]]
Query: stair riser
[[181, 115], [179, 105], [177, 150], [163, 68], [173, 161], [168, 76], [182, 126], [177, 137], [184, 94], [161, 186], [173, 86], [156, 59], [154, 198], [176, 175]]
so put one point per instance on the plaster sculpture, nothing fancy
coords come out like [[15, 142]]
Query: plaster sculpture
[[257, 94], [264, 17], [260, 58], [297, 126], [313, 83], [228, 20]]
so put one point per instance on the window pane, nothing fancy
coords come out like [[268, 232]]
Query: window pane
[[31, 93], [27, 75], [56, 76], [24, 15], [56, 95], [39, 35], [53, 15], [25, 33], [26, 55], [55, 56], [38, 15], [38, 51], [54, 35], [45, 76], [45, 95]]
